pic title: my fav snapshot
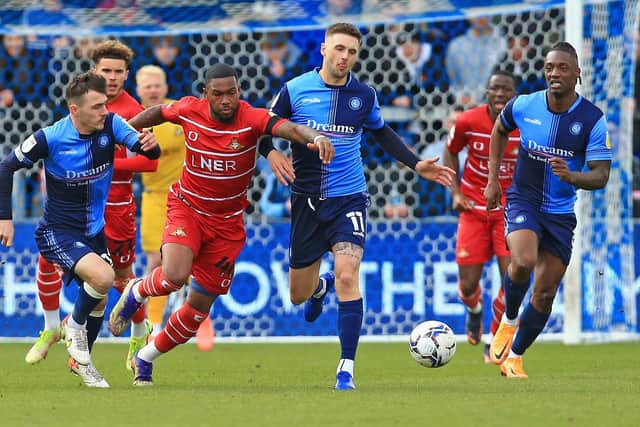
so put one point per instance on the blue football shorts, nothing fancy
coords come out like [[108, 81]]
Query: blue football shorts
[[554, 231], [65, 247], [318, 224]]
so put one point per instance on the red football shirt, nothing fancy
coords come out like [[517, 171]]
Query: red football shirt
[[121, 191], [220, 157], [473, 130]]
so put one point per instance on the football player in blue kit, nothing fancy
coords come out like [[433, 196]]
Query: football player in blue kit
[[560, 132], [329, 201], [78, 153]]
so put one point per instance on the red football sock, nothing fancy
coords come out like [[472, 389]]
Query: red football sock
[[180, 328], [472, 300], [49, 285], [498, 310], [156, 284]]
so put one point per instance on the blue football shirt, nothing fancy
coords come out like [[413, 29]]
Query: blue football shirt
[[339, 112], [78, 170], [578, 135]]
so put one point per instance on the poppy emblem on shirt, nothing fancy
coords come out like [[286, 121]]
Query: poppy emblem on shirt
[[179, 232], [575, 128], [103, 141], [355, 103], [235, 145]]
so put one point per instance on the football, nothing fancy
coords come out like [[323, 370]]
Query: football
[[432, 344]]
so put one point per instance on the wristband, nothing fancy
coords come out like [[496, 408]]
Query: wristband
[[316, 137]]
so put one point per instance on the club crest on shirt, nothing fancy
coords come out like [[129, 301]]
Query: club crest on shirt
[[103, 141], [355, 103], [179, 232], [520, 219], [575, 128], [235, 144]]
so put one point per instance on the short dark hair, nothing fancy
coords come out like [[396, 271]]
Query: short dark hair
[[81, 84], [506, 73], [219, 71], [113, 49], [565, 47], [344, 28]]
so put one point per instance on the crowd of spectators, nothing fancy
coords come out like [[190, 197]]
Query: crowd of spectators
[[450, 63]]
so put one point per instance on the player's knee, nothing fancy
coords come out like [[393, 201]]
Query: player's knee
[[467, 288], [346, 280], [176, 275], [521, 268], [102, 280]]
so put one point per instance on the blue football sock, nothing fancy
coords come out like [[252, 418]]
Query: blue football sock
[[94, 324], [531, 324], [349, 325], [513, 295], [85, 303]]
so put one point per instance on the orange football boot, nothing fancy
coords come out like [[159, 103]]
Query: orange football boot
[[512, 368], [501, 343]]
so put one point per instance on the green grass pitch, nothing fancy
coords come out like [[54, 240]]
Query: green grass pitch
[[291, 385]]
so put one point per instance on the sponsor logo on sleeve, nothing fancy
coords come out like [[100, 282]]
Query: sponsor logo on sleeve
[[28, 144]]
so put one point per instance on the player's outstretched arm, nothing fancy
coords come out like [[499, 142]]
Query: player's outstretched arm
[[151, 116], [305, 135], [499, 139], [431, 170], [394, 145]]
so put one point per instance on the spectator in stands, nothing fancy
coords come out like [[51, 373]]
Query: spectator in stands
[[172, 54], [279, 54], [414, 54], [83, 48], [471, 57], [18, 81], [48, 13], [520, 61], [338, 8], [165, 50]]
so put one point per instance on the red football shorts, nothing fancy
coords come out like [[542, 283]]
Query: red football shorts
[[215, 242], [120, 230], [480, 237]]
